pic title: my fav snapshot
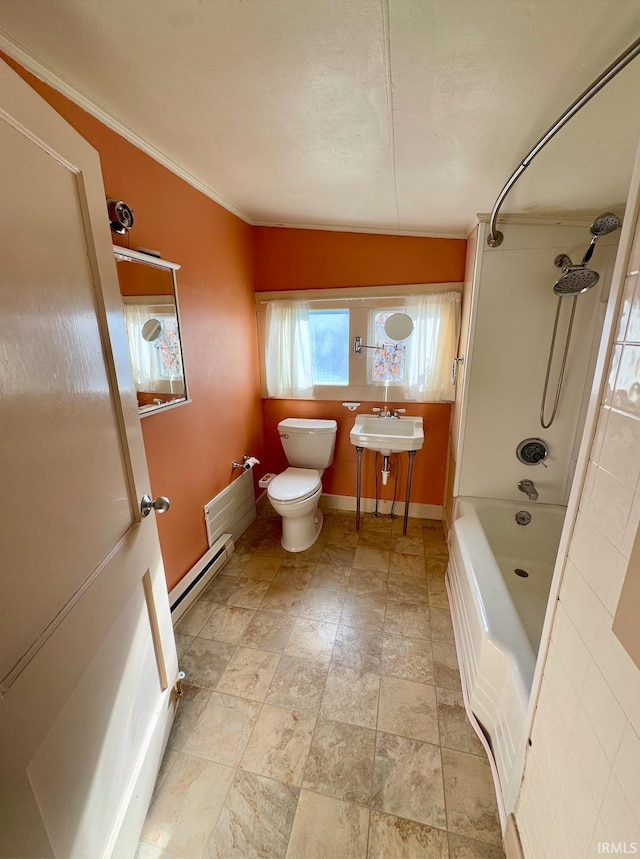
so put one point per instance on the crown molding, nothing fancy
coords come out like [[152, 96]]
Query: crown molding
[[381, 231]]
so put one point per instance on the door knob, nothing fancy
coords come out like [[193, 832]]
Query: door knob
[[160, 505]]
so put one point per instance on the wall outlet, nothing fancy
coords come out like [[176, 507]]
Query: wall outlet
[[264, 481]]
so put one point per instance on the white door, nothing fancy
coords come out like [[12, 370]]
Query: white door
[[87, 655]]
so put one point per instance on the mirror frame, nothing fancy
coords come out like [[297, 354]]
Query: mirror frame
[[127, 255]]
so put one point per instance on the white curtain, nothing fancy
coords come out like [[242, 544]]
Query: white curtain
[[288, 349], [432, 346], [142, 355]]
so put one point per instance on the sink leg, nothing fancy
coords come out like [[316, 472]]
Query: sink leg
[[358, 484], [412, 456]]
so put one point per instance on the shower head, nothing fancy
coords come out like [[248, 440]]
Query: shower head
[[605, 224], [575, 280], [602, 226]]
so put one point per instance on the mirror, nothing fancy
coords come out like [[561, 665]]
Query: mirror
[[150, 302], [398, 326]]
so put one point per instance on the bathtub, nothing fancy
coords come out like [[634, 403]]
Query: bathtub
[[498, 617]]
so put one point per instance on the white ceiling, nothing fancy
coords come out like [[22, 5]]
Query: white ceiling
[[393, 115]]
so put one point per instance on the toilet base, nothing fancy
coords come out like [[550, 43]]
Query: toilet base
[[301, 533]]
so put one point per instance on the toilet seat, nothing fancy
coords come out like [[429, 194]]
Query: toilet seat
[[294, 484]]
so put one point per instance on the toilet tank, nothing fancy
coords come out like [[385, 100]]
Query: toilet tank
[[308, 443]]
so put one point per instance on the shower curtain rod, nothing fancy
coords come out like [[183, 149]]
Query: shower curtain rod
[[495, 237]]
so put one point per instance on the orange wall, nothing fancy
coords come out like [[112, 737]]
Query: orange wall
[[340, 479], [320, 259], [189, 449]]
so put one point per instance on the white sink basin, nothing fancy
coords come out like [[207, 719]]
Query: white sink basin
[[387, 435]]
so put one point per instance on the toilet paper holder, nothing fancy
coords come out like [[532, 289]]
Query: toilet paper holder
[[247, 463]]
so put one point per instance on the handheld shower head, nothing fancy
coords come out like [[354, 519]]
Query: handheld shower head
[[602, 226], [575, 280], [605, 224]]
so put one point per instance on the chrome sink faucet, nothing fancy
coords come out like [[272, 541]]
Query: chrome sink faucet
[[385, 412], [529, 489]]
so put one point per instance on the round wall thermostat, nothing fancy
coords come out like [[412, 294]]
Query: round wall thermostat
[[120, 216]]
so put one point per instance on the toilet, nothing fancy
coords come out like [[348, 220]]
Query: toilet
[[295, 493]]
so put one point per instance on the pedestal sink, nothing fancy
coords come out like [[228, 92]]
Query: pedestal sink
[[386, 435]]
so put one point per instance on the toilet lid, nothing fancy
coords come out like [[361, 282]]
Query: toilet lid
[[294, 484]]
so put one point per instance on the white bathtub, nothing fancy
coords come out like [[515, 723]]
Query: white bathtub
[[498, 616]]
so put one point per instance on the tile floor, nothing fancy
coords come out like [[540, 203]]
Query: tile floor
[[323, 717]]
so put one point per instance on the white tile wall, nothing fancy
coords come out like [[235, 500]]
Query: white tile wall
[[582, 776]]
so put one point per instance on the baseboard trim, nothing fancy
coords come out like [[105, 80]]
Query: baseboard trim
[[368, 505]]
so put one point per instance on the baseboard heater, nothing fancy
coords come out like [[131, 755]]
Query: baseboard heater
[[191, 586]]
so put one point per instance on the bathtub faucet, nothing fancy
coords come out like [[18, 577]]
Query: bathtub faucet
[[529, 489]]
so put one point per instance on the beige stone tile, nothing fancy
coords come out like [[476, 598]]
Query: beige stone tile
[[280, 743], [365, 612], [341, 535], [372, 559], [441, 626], [408, 589], [255, 821], [193, 621], [312, 639], [320, 604], [183, 813], [375, 539], [414, 527], [205, 661], [368, 582], [168, 759], [409, 658], [283, 598], [455, 728], [438, 597], [445, 666], [407, 619], [371, 522], [392, 837], [409, 709], [190, 706], [358, 648], [351, 696], [249, 593], [340, 761], [249, 673], [407, 565], [268, 632], [220, 589], [409, 545], [227, 623], [271, 546], [236, 563], [407, 780], [310, 555], [223, 729], [466, 848], [183, 643], [470, 797], [437, 568], [327, 828], [299, 576], [337, 556], [331, 578], [261, 568], [297, 684], [435, 545]]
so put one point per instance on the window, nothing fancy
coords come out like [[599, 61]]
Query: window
[[307, 346], [329, 331], [387, 363]]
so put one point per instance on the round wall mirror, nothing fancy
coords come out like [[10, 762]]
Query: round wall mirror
[[151, 330], [398, 326]]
